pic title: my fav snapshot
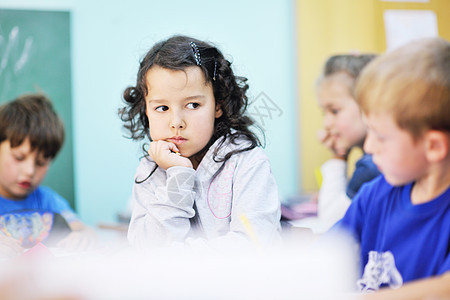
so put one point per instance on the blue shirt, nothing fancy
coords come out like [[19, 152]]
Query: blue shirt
[[42, 216], [42, 198], [384, 221]]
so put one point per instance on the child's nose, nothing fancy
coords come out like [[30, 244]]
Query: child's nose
[[29, 167], [177, 122], [328, 121]]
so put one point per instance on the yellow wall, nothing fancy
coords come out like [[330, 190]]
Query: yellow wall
[[327, 27]]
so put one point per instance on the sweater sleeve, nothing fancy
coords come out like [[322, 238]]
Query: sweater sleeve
[[161, 210], [333, 200]]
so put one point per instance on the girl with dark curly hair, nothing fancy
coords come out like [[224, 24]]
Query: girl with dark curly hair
[[204, 175]]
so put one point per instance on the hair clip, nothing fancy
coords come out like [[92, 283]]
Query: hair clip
[[215, 68], [196, 53]]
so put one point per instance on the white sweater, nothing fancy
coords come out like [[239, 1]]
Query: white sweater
[[333, 201], [191, 206]]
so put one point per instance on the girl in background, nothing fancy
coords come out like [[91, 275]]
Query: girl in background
[[205, 177], [344, 130]]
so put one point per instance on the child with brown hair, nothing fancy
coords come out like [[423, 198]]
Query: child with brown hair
[[402, 219], [31, 135], [343, 131]]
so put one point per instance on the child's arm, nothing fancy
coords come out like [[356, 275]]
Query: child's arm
[[162, 206], [437, 287], [333, 201], [9, 247], [161, 212]]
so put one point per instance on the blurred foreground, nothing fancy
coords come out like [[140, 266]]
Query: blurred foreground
[[302, 268]]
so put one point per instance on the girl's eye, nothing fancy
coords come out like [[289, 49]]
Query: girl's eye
[[334, 111], [192, 105], [162, 108], [19, 157]]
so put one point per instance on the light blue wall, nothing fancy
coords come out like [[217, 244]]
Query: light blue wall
[[109, 39]]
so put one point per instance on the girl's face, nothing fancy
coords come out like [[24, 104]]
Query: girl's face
[[181, 108], [21, 170], [342, 118]]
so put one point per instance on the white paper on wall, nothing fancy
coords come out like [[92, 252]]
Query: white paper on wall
[[421, 1], [402, 26]]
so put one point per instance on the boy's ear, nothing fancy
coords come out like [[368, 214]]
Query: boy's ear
[[219, 111], [437, 145]]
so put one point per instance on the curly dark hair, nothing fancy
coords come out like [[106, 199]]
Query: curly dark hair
[[177, 53]]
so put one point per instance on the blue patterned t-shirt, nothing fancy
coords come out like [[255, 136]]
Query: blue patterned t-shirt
[[33, 219]]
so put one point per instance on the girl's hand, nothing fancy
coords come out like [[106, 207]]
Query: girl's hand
[[163, 153], [9, 247], [329, 141]]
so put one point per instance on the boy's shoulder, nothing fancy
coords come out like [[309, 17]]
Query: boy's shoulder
[[378, 188], [49, 198], [42, 198], [39, 193], [45, 193], [377, 183], [44, 190]]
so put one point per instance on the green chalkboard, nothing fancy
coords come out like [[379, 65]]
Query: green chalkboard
[[35, 57]]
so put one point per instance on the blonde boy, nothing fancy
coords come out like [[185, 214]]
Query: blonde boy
[[402, 219], [31, 135]]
